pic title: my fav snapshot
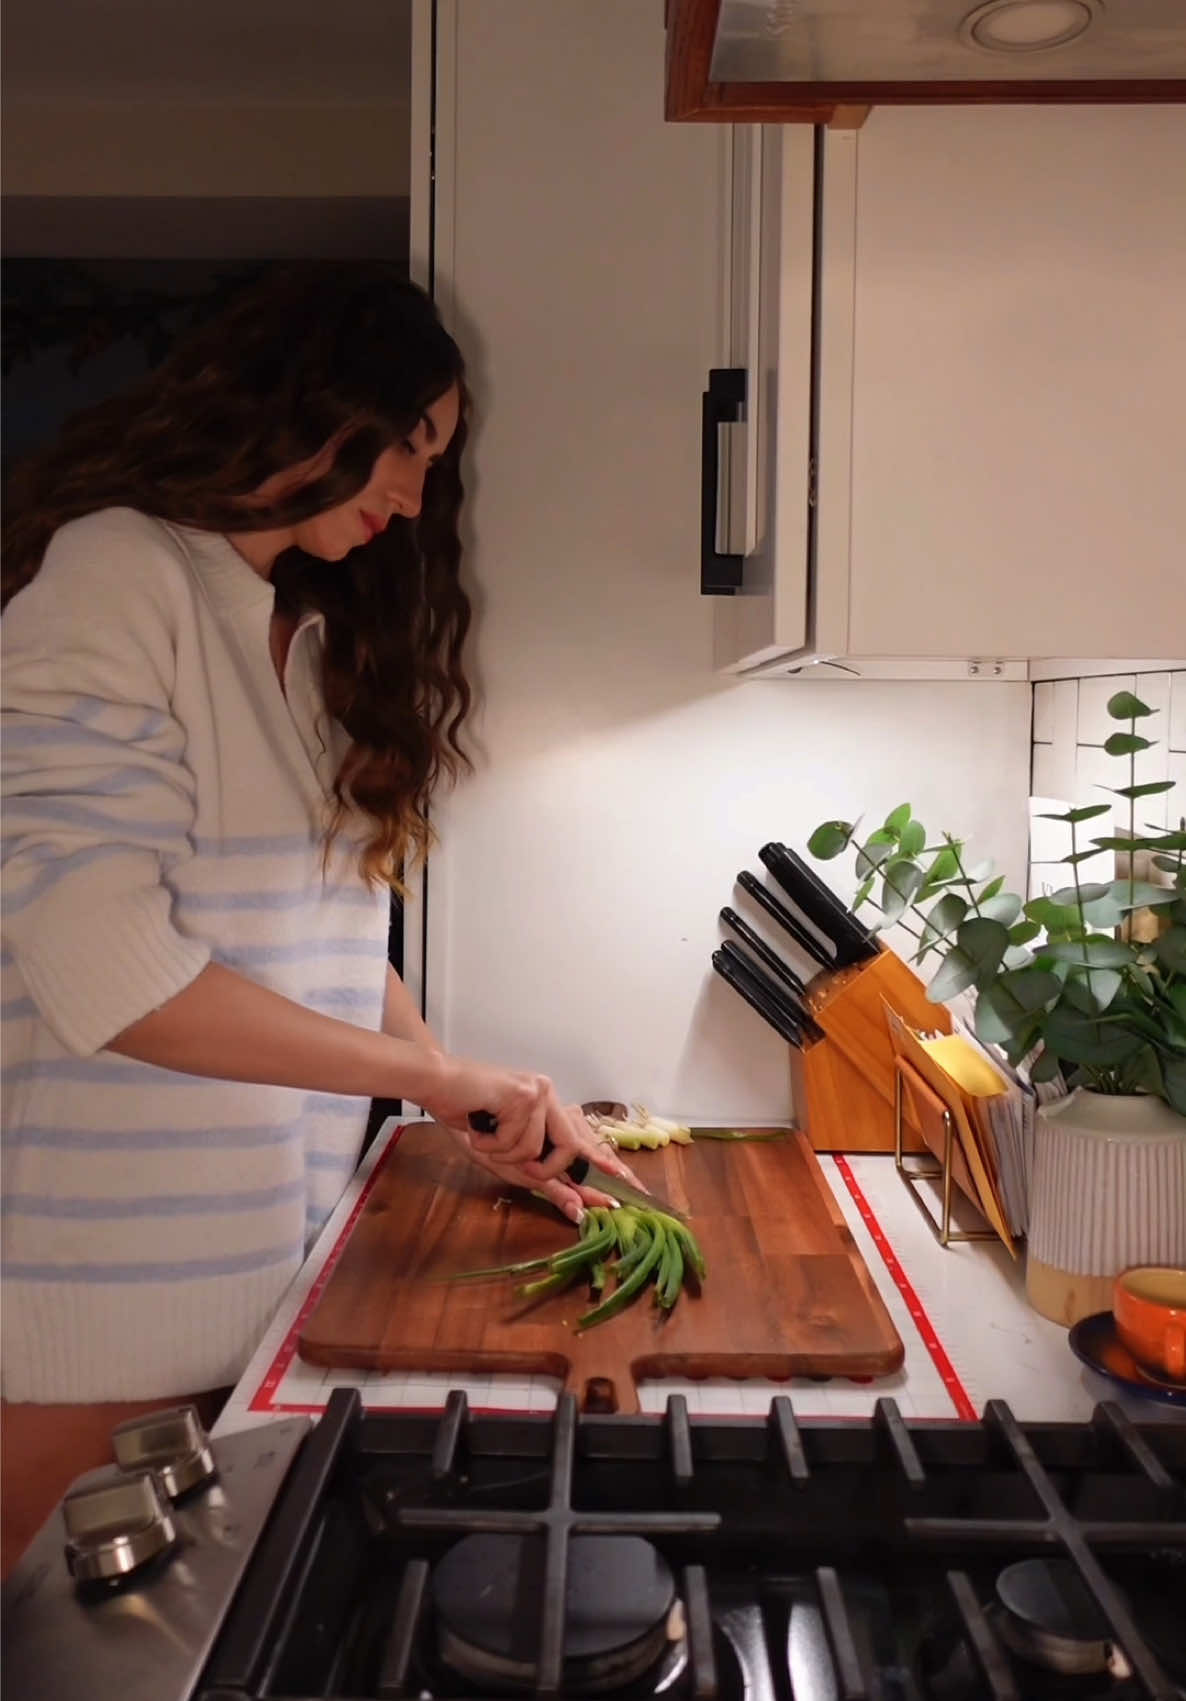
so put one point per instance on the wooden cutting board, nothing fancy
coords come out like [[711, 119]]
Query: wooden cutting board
[[787, 1293]]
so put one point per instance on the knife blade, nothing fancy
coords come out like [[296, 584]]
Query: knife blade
[[770, 1013], [578, 1171], [793, 1008], [762, 951], [808, 942], [853, 941]]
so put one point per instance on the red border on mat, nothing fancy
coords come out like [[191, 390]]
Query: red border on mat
[[263, 1399], [957, 1393]]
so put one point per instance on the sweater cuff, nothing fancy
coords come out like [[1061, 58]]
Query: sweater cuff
[[120, 963]]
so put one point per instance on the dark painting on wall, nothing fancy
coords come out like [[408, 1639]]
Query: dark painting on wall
[[76, 331]]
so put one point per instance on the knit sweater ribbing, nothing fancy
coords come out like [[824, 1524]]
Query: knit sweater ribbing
[[165, 804]]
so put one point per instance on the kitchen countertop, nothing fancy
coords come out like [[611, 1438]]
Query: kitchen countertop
[[968, 1332]]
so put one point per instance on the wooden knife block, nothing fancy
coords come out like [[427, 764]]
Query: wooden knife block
[[843, 1084]]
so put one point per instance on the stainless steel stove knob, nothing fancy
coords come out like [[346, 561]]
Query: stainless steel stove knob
[[171, 1443], [114, 1525]]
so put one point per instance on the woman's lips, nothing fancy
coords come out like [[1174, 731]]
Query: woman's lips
[[373, 526]]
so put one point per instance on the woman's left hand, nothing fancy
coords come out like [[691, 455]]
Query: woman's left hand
[[567, 1196]]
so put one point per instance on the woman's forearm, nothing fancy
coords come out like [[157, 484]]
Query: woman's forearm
[[227, 1026], [401, 1018]]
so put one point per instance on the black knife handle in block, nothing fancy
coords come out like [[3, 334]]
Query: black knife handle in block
[[791, 1007], [723, 403], [807, 941], [741, 983], [762, 951], [819, 903]]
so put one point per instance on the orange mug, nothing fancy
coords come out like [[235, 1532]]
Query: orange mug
[[1149, 1305]]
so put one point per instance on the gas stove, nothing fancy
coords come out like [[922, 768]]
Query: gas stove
[[481, 1555]]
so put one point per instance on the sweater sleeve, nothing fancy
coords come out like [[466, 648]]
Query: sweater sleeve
[[98, 801]]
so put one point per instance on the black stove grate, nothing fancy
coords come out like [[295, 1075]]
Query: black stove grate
[[759, 1499]]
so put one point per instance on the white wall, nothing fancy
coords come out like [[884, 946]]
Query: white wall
[[149, 147], [573, 902]]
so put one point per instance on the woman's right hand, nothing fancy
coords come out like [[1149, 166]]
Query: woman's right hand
[[519, 1108]]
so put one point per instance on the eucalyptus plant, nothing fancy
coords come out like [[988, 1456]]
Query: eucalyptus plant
[[1055, 982]]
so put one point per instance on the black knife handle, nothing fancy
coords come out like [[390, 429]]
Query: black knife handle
[[814, 947], [485, 1122], [782, 1026], [762, 951], [819, 903], [790, 1006]]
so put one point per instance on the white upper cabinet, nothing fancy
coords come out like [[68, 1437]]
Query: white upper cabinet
[[998, 415]]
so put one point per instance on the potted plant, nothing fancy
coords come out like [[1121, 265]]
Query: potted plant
[[1062, 983]]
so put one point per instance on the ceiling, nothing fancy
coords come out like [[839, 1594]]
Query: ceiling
[[297, 51]]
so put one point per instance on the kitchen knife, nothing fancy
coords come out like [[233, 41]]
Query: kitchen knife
[[815, 948], [753, 995], [853, 941], [793, 1008], [762, 951], [582, 1173]]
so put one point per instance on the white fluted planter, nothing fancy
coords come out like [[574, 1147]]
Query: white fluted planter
[[1107, 1189]]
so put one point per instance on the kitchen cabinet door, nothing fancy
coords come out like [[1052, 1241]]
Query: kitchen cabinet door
[[1019, 369], [755, 530]]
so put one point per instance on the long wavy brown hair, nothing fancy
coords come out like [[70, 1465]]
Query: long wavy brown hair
[[314, 355]]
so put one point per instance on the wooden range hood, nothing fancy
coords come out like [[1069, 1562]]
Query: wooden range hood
[[829, 61]]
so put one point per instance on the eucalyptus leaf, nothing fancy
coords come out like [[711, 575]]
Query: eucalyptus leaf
[[1017, 957], [954, 973], [914, 839], [830, 839], [1023, 931], [1103, 985], [1125, 707], [991, 890], [1149, 789], [1005, 908], [1098, 951], [1167, 864], [1046, 1066], [901, 881], [877, 848], [984, 942], [1087, 812], [1004, 1009], [1171, 950], [943, 917], [1126, 743], [897, 819], [1082, 1038], [944, 868], [862, 891], [1141, 894], [1173, 1072]]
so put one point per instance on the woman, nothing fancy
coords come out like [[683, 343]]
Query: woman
[[233, 678]]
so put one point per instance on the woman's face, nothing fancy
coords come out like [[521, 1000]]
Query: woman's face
[[395, 486]]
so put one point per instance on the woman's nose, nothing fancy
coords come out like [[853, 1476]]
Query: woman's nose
[[407, 496]]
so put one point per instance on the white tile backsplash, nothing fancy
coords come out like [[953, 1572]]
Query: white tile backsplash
[[1071, 723], [1177, 712]]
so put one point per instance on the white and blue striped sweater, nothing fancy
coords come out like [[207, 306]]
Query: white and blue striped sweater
[[164, 805]]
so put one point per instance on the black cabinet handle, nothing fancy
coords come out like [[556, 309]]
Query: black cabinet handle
[[723, 403]]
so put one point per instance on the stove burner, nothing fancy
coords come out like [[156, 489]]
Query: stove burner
[[620, 1610], [1049, 1616]]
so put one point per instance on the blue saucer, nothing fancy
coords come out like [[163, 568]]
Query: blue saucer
[[1095, 1341]]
